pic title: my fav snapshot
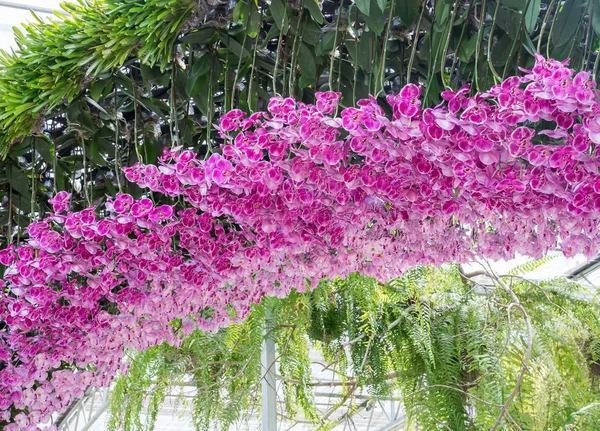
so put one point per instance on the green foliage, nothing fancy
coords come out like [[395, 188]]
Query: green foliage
[[53, 58], [451, 354], [531, 265]]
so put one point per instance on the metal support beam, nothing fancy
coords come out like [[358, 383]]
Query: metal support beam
[[85, 412], [13, 5], [394, 425], [269, 389]]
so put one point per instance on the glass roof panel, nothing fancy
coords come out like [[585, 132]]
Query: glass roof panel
[[15, 12]]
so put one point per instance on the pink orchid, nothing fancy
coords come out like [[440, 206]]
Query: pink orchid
[[298, 193]]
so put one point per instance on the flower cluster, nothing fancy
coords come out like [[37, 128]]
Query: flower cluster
[[296, 194]]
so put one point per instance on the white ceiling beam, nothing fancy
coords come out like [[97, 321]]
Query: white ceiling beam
[[13, 5]]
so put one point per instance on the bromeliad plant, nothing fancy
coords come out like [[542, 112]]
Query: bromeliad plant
[[296, 193]]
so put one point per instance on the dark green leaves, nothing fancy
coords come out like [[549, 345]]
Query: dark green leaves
[[18, 180], [408, 10], [531, 16], [373, 14], [467, 49], [508, 20], [362, 53], [315, 10], [596, 17], [44, 149], [306, 60], [254, 22], [567, 21], [364, 6], [234, 46], [200, 68], [202, 36], [279, 12]]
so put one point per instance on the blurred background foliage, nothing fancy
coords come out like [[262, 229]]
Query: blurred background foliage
[[113, 82], [450, 349]]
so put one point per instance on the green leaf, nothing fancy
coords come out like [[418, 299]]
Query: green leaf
[[531, 16], [562, 52], [364, 6], [154, 105], [306, 60], [18, 180], [311, 32], [254, 23], [568, 21], [42, 146], [239, 11], [442, 13], [61, 175], [21, 148], [202, 36], [201, 95], [363, 54], [528, 44], [315, 10], [325, 45], [408, 11], [97, 88], [516, 5], [93, 148], [273, 33], [305, 81], [110, 189], [596, 18], [501, 50], [375, 19], [467, 49], [155, 75], [234, 46], [200, 68], [508, 20], [279, 12], [86, 121]]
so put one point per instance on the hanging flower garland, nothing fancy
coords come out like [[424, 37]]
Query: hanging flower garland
[[298, 193]]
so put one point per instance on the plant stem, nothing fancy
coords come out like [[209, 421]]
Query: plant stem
[[415, 42], [355, 31], [33, 177], [551, 31], [117, 156], [239, 65], [332, 58], [446, 45], [295, 50], [10, 209], [478, 48], [384, 51], [173, 126], [490, 39], [85, 179], [251, 80], [544, 23]]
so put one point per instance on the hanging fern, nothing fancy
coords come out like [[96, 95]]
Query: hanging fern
[[451, 355]]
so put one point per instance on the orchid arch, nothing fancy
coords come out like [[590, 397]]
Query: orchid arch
[[295, 194]]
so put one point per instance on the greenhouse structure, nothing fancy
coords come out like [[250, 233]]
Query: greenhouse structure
[[245, 215]]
